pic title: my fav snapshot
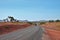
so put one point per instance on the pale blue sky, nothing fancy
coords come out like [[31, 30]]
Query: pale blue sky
[[30, 9]]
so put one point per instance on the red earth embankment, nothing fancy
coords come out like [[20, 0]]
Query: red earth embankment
[[54, 35], [52, 30], [9, 27]]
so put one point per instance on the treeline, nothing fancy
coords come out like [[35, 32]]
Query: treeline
[[49, 21], [54, 21], [9, 19]]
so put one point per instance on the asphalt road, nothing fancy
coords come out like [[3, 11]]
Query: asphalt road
[[29, 33]]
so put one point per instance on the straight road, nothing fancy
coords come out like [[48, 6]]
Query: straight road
[[29, 33]]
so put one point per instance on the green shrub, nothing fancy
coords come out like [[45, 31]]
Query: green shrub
[[51, 20], [30, 22], [6, 27], [42, 23]]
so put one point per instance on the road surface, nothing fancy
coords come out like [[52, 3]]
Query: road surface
[[29, 33]]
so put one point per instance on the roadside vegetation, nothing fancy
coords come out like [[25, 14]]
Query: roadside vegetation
[[51, 24], [14, 24], [54, 20], [41, 23], [11, 24]]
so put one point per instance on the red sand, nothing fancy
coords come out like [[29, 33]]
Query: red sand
[[51, 29], [54, 35]]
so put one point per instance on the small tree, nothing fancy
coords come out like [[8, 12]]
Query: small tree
[[11, 18]]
